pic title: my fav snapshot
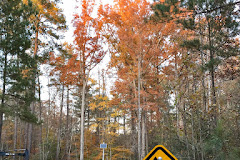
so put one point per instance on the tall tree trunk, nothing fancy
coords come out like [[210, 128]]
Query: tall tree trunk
[[33, 103], [40, 118], [60, 126], [67, 127], [133, 132], [204, 98], [146, 128], [82, 119], [177, 100], [143, 136], [45, 154], [30, 128], [26, 126], [124, 123], [134, 121], [71, 137], [21, 143], [193, 138], [15, 132], [139, 108], [36, 41], [212, 75], [185, 130], [3, 95]]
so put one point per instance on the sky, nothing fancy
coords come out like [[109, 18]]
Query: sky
[[69, 9]]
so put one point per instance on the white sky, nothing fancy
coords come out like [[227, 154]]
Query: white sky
[[68, 7]]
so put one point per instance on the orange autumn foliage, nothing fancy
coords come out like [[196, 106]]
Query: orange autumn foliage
[[134, 34]]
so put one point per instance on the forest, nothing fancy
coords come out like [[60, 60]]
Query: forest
[[171, 78]]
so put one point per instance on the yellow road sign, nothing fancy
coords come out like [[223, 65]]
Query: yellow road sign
[[160, 153]]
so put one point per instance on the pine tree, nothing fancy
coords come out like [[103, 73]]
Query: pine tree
[[219, 20], [17, 63]]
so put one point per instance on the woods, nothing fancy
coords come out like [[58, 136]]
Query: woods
[[137, 74]]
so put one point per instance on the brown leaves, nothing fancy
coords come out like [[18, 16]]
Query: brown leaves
[[230, 69]]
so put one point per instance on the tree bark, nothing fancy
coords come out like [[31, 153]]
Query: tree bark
[[185, 130], [30, 128], [67, 135], [45, 154], [143, 136], [82, 120], [33, 103], [60, 126], [3, 95], [212, 74], [71, 137], [15, 132], [204, 97], [139, 108], [40, 118]]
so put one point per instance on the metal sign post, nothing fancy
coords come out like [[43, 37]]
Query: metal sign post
[[103, 146], [103, 154]]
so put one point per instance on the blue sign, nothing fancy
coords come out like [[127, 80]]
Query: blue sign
[[103, 145]]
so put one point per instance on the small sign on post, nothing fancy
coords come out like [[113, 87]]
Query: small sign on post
[[103, 146]]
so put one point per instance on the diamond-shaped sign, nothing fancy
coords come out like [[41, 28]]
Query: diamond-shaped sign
[[160, 153]]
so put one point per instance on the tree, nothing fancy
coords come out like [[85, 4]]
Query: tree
[[215, 29], [15, 41], [48, 21], [210, 42], [63, 70], [139, 51], [88, 41]]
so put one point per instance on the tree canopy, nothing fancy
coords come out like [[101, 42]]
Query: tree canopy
[[171, 79]]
